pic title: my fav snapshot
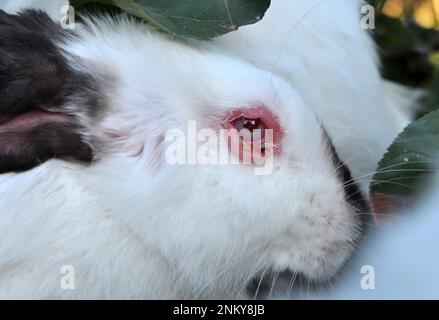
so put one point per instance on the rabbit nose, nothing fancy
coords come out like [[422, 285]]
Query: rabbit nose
[[254, 131]]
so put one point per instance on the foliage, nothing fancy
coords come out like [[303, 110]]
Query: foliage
[[186, 18], [409, 55]]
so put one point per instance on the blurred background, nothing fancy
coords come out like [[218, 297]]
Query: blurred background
[[407, 33], [424, 12]]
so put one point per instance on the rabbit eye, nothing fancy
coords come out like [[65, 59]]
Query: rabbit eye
[[256, 127], [249, 124]]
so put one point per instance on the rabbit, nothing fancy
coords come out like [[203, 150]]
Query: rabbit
[[91, 206], [336, 71]]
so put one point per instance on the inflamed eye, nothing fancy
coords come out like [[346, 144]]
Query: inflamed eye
[[253, 132], [249, 124]]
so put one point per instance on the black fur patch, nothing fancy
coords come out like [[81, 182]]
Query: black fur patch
[[32, 71], [352, 192], [29, 149], [35, 75]]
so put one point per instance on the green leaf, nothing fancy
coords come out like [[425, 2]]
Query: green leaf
[[411, 161], [200, 19]]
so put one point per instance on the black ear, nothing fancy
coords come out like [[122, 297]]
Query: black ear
[[36, 82]]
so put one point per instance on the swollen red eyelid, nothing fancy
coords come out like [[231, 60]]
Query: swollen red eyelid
[[268, 121]]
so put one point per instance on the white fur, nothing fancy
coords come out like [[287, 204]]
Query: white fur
[[319, 47], [134, 227]]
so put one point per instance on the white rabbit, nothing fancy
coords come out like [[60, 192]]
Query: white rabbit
[[131, 225], [319, 48]]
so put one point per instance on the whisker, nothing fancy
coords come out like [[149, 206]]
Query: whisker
[[383, 169], [349, 197], [291, 284], [273, 283], [259, 285]]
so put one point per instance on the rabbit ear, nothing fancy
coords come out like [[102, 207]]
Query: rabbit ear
[[37, 136], [36, 84]]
